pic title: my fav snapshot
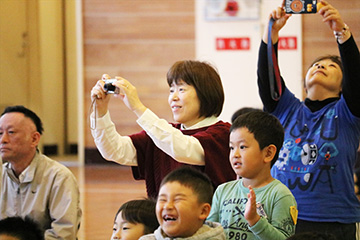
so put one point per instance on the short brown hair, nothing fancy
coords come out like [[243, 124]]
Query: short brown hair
[[206, 81]]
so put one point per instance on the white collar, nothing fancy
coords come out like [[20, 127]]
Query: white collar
[[203, 123]]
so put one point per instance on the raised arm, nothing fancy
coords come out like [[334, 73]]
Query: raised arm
[[350, 58], [280, 19], [349, 53], [109, 142]]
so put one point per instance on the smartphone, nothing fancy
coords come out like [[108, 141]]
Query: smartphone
[[300, 6]]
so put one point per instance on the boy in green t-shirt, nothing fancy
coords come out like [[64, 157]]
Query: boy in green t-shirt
[[257, 206]]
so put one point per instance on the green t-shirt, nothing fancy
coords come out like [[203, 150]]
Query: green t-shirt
[[276, 206]]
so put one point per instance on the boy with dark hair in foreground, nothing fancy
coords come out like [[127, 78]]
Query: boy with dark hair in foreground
[[183, 204]]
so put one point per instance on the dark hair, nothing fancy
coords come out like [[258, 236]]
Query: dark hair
[[312, 236], [206, 81], [140, 211], [28, 113], [22, 229], [266, 128], [192, 178], [242, 111]]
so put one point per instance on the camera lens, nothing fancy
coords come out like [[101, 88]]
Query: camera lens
[[109, 87]]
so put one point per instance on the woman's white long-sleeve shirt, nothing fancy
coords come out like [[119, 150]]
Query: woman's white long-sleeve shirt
[[172, 141]]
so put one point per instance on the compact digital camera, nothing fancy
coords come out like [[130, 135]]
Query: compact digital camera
[[109, 88], [300, 6]]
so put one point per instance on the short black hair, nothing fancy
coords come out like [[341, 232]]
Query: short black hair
[[266, 128], [23, 229], [194, 179], [242, 111], [28, 113], [140, 211], [206, 81]]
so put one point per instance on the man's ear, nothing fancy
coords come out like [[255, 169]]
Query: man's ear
[[205, 211], [270, 152], [35, 139]]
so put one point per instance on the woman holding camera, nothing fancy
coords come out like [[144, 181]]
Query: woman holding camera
[[321, 133], [198, 138]]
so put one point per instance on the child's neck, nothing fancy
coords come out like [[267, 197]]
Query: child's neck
[[258, 182]]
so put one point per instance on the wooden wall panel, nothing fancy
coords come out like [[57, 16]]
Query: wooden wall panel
[[138, 40], [121, 27], [156, 7], [136, 54]]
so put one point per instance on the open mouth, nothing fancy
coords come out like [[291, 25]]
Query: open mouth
[[237, 164], [168, 218]]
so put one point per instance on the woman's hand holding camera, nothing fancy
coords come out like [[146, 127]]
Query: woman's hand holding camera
[[99, 95], [123, 90]]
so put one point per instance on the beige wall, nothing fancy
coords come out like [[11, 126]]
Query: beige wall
[[13, 54], [42, 80], [52, 71], [72, 78]]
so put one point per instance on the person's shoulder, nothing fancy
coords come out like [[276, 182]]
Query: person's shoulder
[[222, 124], [219, 127], [228, 186], [148, 237], [213, 224], [281, 188], [55, 167], [210, 230], [53, 163], [278, 183]]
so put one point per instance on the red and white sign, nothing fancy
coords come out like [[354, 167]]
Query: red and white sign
[[287, 43], [233, 43]]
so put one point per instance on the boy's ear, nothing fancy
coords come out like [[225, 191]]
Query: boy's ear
[[270, 152], [205, 211]]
